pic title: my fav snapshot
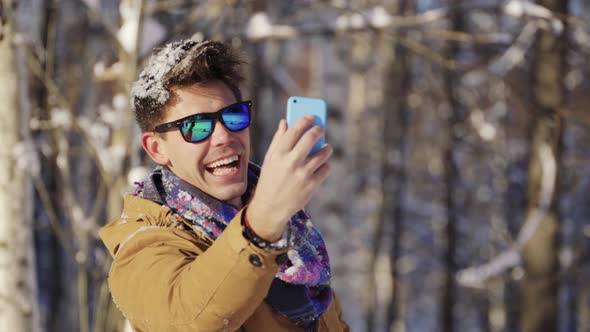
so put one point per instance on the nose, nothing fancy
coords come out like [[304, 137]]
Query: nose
[[221, 135]]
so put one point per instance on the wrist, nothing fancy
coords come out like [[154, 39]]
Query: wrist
[[266, 231], [269, 245]]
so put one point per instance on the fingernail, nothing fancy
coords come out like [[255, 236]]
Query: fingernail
[[309, 116]]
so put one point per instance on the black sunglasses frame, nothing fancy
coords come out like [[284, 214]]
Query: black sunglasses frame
[[212, 116]]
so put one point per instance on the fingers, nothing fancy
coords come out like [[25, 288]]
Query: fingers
[[297, 142], [319, 159], [294, 133], [282, 128], [320, 175], [302, 149], [319, 167], [283, 125]]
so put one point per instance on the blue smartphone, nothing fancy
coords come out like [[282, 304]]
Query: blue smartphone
[[297, 107]]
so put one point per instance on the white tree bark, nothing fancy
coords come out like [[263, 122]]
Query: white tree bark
[[15, 290]]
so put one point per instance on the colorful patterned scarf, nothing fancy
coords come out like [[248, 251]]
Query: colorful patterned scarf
[[301, 289]]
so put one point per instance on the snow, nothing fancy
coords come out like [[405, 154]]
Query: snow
[[61, 118], [487, 131], [137, 174], [112, 158], [27, 158], [350, 21], [259, 26], [99, 133], [516, 53], [99, 68], [380, 18], [130, 15], [120, 102], [518, 8], [476, 277], [514, 8], [150, 85], [127, 36], [109, 116]]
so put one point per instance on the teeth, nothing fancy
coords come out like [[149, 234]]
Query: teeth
[[222, 162], [222, 171]]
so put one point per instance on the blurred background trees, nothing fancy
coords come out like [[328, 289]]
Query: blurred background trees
[[458, 199]]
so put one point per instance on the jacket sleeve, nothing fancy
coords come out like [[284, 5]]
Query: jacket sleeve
[[343, 324], [161, 281], [332, 320]]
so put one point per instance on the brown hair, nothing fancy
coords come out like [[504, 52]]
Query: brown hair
[[182, 63]]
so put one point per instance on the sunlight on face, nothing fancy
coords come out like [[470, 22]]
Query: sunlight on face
[[217, 165]]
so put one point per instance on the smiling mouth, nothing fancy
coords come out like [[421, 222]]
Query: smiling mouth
[[224, 166]]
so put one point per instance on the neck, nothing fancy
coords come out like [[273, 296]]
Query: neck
[[236, 202]]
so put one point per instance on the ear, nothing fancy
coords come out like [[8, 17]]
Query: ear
[[154, 148]]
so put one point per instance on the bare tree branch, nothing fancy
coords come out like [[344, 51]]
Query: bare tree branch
[[36, 68], [477, 276], [94, 14], [52, 216], [164, 5]]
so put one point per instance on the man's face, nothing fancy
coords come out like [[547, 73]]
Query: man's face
[[208, 165]]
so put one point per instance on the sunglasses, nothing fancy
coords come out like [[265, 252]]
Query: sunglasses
[[198, 127]]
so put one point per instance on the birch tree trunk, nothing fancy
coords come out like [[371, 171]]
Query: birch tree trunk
[[129, 36], [15, 301], [541, 284]]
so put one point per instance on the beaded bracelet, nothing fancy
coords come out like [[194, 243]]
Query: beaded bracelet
[[261, 243]]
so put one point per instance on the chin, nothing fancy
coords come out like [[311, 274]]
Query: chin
[[232, 193]]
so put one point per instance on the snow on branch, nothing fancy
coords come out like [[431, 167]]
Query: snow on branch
[[519, 8], [549, 172], [93, 8], [260, 27], [377, 18], [26, 158], [514, 55], [477, 276], [128, 33]]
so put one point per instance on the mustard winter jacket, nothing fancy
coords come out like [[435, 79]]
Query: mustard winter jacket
[[167, 277]]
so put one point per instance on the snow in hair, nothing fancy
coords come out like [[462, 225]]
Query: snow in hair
[[151, 83]]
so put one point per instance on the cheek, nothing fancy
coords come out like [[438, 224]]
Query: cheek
[[197, 154], [190, 156], [245, 138]]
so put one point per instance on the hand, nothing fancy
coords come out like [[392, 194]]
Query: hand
[[289, 177]]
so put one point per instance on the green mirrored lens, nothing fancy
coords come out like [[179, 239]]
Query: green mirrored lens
[[195, 129]]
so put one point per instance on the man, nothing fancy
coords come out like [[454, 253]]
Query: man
[[209, 241]]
